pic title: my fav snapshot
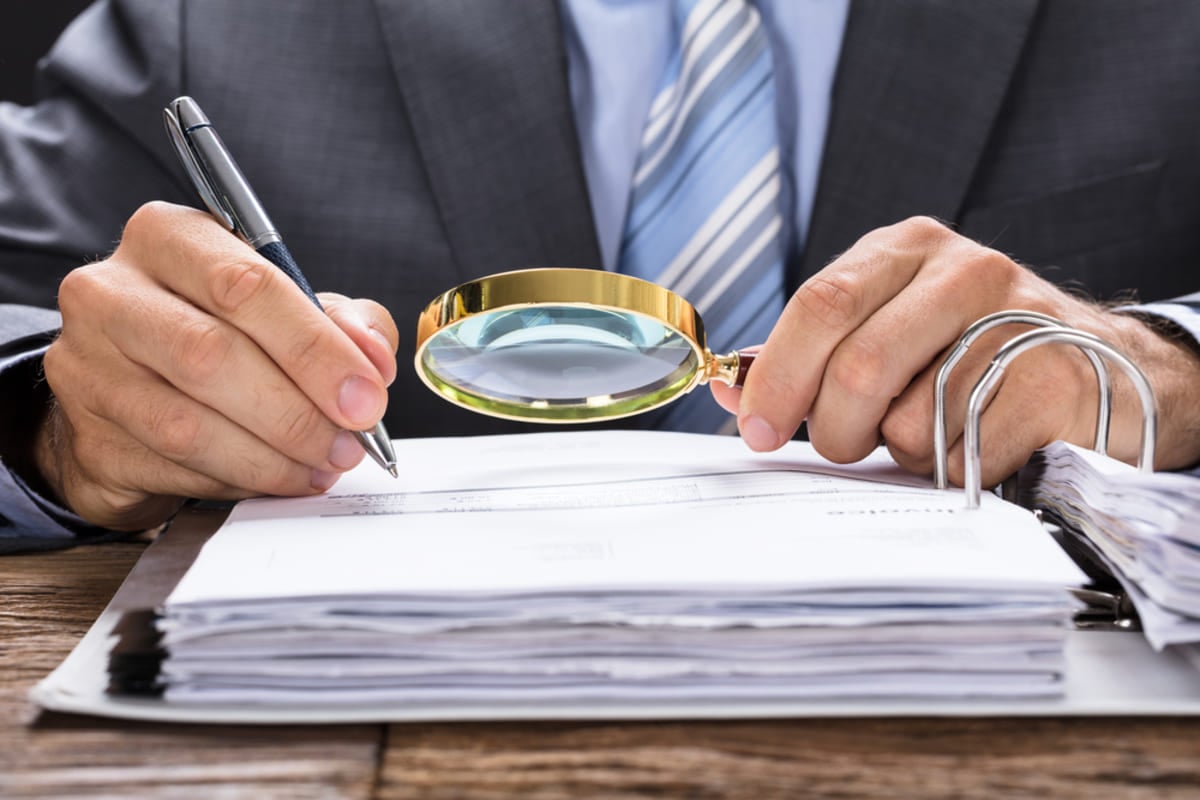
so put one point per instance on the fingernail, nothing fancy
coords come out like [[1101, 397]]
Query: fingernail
[[758, 434], [346, 451], [358, 400], [322, 480]]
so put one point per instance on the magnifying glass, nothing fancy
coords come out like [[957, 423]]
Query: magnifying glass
[[566, 345]]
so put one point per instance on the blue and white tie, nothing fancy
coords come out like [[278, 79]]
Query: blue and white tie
[[704, 216]]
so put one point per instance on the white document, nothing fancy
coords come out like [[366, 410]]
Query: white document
[[615, 575], [617, 511], [1144, 527], [388, 590]]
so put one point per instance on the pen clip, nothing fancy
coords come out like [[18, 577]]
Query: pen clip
[[191, 161]]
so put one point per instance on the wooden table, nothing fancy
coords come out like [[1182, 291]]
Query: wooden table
[[51, 599]]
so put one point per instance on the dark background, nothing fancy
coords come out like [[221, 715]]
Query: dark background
[[27, 29]]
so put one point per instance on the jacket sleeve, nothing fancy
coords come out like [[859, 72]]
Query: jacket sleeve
[[73, 167], [27, 520], [76, 165]]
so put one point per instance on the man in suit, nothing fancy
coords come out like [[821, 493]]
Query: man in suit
[[404, 147]]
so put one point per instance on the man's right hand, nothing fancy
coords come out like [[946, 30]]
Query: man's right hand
[[189, 366]]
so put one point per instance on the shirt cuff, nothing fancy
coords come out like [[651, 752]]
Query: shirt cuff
[[1186, 318], [1185, 315]]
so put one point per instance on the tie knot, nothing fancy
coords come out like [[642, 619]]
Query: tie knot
[[695, 12]]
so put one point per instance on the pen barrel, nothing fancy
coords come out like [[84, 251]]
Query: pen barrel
[[233, 203], [225, 178], [278, 254]]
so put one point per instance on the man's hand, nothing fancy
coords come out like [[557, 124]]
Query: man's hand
[[857, 346], [189, 366]]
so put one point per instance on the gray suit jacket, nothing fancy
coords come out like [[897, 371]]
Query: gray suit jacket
[[404, 146]]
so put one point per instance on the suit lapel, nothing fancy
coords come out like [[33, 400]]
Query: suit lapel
[[918, 89], [485, 88]]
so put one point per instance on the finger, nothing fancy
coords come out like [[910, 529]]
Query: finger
[[1046, 394], [728, 397], [370, 326], [71, 462], [110, 479], [787, 374], [207, 359], [1011, 427], [907, 427], [154, 413], [191, 436], [1060, 379], [121, 498], [958, 283], [195, 258], [143, 491]]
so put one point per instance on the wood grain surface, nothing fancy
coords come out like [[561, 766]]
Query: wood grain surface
[[51, 599]]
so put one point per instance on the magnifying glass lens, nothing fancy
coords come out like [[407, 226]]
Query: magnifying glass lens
[[560, 362]]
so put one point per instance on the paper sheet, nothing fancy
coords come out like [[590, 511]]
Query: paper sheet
[[991, 644], [608, 512], [638, 538]]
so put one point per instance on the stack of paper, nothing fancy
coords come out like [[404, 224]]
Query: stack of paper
[[615, 567], [1144, 527]]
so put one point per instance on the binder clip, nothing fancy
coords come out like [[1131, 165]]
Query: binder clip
[[1107, 605]]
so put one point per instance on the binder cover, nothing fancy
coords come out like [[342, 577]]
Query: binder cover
[[1108, 673]]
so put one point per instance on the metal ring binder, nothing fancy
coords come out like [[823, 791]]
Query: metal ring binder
[[1027, 341], [976, 329]]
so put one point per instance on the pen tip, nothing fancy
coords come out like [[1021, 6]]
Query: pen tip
[[392, 469]]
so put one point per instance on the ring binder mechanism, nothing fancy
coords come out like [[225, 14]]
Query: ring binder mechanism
[[1027, 341], [1108, 606], [977, 329], [1105, 611]]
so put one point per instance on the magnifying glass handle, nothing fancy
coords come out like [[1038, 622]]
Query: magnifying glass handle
[[730, 369], [745, 359]]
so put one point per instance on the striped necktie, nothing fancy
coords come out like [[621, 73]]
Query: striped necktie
[[704, 218]]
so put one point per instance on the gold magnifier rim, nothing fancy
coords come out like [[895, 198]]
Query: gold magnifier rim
[[564, 287]]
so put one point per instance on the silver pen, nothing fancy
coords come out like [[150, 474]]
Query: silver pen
[[229, 198]]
